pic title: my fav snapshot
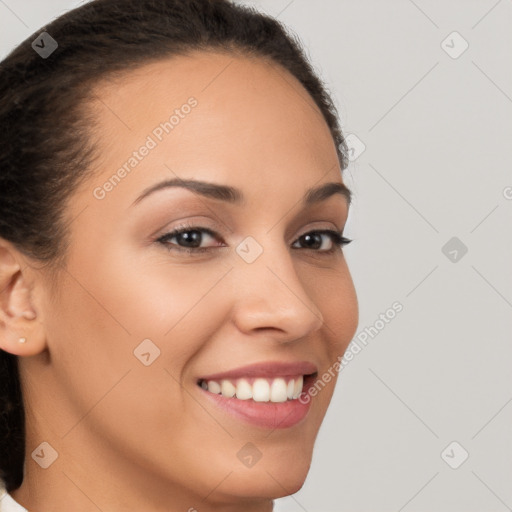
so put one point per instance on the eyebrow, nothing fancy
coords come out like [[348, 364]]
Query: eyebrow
[[235, 196]]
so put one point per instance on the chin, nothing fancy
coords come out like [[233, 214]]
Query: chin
[[263, 486], [272, 480]]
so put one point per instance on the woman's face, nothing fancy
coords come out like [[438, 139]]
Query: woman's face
[[138, 320]]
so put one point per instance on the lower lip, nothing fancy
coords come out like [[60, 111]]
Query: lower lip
[[270, 415]]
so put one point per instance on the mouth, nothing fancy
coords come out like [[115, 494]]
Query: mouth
[[266, 395], [259, 389]]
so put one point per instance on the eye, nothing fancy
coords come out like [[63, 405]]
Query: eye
[[190, 238], [314, 241]]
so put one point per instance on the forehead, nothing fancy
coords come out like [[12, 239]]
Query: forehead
[[252, 121]]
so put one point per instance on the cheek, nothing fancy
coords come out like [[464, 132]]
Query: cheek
[[113, 301], [334, 293], [164, 301], [343, 312], [107, 307]]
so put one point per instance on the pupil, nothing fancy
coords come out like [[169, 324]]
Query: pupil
[[315, 239], [191, 238]]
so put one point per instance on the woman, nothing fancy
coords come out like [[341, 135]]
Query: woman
[[171, 269]]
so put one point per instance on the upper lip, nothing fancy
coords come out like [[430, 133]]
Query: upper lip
[[266, 369]]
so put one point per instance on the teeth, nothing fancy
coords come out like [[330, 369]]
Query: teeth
[[243, 390], [278, 391], [227, 389], [290, 388], [298, 387], [262, 390], [213, 387]]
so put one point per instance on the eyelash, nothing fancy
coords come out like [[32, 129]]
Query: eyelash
[[337, 238]]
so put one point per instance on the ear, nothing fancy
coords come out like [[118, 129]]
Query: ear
[[18, 317]]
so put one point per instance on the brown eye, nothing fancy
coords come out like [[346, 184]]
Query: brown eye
[[314, 240], [188, 239]]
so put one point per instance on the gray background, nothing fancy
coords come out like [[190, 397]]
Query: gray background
[[435, 166]]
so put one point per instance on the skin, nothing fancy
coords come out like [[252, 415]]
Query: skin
[[134, 437]]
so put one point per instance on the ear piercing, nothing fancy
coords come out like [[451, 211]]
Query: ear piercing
[[22, 340]]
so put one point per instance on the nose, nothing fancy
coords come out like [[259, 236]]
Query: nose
[[269, 295]]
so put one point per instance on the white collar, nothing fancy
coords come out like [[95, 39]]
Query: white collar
[[7, 503]]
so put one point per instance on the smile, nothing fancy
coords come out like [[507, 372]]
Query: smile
[[260, 389], [265, 395]]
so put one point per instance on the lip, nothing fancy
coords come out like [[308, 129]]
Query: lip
[[268, 415], [268, 369]]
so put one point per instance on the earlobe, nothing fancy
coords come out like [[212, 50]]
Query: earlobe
[[21, 330]]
